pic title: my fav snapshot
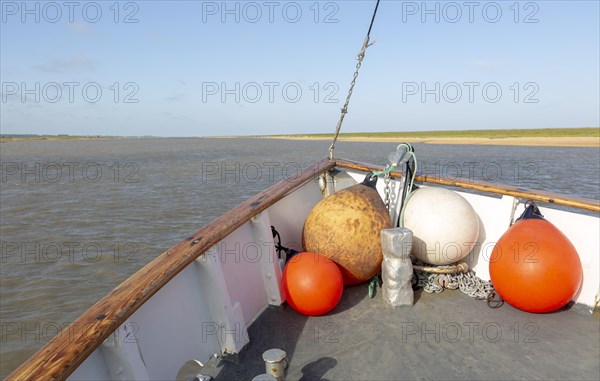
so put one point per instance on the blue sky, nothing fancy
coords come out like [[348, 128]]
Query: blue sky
[[202, 68]]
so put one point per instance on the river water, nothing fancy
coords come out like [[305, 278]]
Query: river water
[[79, 217]]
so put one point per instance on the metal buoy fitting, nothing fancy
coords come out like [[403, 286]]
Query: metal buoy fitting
[[201, 377], [264, 377], [275, 363], [323, 183]]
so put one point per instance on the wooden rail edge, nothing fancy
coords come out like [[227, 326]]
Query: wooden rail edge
[[65, 352], [530, 194]]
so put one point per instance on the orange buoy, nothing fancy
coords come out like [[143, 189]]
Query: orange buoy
[[312, 284], [534, 267], [346, 226]]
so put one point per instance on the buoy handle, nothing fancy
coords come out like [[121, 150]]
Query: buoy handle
[[370, 180], [531, 212]]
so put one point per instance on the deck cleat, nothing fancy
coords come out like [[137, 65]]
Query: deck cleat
[[275, 363], [264, 377]]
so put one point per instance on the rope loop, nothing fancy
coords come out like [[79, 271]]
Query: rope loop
[[387, 170]]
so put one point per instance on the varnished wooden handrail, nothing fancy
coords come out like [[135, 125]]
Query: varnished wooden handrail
[[530, 194], [65, 352]]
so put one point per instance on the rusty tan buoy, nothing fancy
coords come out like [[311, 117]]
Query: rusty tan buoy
[[345, 227]]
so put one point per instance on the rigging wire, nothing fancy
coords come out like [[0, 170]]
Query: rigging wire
[[361, 56]]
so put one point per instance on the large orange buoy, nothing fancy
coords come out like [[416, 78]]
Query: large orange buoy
[[346, 226], [534, 267], [312, 284]]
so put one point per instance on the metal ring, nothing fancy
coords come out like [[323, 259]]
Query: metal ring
[[494, 302]]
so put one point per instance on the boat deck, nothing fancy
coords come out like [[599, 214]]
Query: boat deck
[[443, 336]]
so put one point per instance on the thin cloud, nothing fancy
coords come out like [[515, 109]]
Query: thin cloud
[[79, 62], [176, 98], [484, 64], [80, 28]]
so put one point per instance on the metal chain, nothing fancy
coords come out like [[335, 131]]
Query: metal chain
[[361, 56], [387, 179], [467, 282]]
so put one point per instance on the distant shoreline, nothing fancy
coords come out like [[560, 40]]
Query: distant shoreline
[[576, 141], [548, 137], [55, 138]]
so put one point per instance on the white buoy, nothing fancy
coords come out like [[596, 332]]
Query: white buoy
[[445, 227]]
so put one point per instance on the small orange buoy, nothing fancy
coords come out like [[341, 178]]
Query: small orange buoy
[[534, 267], [312, 284]]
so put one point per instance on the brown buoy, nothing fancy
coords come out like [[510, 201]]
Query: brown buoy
[[345, 227]]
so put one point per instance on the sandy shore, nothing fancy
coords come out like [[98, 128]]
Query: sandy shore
[[524, 141]]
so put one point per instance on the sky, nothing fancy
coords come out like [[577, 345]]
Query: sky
[[213, 68]]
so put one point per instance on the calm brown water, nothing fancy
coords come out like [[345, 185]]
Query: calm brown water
[[79, 217]]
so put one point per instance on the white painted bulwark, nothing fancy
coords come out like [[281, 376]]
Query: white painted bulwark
[[269, 262], [122, 354], [289, 214], [176, 325], [584, 233], [494, 219], [91, 369]]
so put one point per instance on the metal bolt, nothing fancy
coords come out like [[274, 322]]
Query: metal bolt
[[264, 377], [201, 377], [275, 363]]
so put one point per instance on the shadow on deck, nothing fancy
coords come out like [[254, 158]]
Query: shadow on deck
[[443, 336]]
